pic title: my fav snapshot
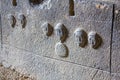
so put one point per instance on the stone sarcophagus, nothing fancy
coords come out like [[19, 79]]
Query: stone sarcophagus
[[61, 39]]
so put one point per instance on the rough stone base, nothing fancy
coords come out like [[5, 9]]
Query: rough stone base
[[8, 74]]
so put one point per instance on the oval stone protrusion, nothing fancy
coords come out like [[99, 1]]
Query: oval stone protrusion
[[11, 20], [61, 31], [80, 37], [22, 19], [47, 29], [92, 39], [61, 49]]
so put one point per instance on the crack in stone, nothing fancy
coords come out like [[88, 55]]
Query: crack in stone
[[94, 75], [113, 17]]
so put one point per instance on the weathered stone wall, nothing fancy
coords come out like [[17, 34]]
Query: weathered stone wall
[[51, 39]]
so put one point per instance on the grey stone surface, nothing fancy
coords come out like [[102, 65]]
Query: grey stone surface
[[115, 76], [115, 52], [93, 10], [40, 60], [88, 16], [43, 68], [116, 42], [0, 26], [0, 31]]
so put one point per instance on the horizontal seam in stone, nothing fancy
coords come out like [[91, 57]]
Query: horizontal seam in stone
[[54, 58]]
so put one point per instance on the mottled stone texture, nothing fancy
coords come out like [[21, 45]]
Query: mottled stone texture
[[8, 74], [29, 51]]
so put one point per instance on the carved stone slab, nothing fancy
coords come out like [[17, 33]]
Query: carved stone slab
[[91, 16]]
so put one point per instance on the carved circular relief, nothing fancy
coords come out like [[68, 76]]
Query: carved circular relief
[[61, 49], [80, 37], [61, 32]]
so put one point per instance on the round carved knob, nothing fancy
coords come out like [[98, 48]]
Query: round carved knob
[[47, 29], [61, 49], [92, 39], [61, 31], [11, 20], [80, 37], [22, 19]]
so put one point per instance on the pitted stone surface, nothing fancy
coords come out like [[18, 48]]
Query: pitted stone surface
[[43, 68], [9, 74], [30, 38]]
